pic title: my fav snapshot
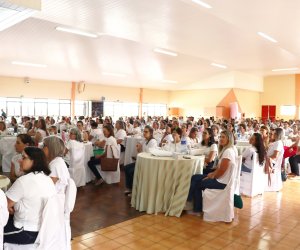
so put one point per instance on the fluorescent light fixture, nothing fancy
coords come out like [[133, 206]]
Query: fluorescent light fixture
[[287, 69], [29, 64], [77, 32], [203, 4], [218, 65], [113, 74], [271, 39], [169, 81], [166, 52]]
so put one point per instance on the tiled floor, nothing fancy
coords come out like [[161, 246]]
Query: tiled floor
[[271, 221]]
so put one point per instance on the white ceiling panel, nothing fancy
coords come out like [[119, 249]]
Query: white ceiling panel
[[225, 34]]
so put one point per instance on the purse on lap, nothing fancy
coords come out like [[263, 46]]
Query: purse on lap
[[109, 164]]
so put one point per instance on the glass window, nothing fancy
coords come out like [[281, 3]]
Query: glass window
[[149, 109], [27, 107], [40, 108], [53, 107], [13, 108], [288, 110], [65, 107], [81, 108]]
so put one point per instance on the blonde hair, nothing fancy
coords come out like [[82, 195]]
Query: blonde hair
[[230, 143]]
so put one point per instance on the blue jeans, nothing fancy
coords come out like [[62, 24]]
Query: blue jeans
[[245, 169], [198, 185], [129, 174]]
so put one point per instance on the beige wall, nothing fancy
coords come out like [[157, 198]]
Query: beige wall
[[15, 87], [197, 102], [249, 102], [279, 90]]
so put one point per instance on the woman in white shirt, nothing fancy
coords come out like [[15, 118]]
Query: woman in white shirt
[[23, 141], [257, 147], [54, 149], [74, 138], [217, 179], [167, 136], [26, 198], [175, 145], [41, 132], [210, 150], [108, 141], [148, 143], [192, 139], [3, 130], [120, 134]]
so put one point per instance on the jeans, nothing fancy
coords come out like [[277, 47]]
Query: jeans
[[129, 173], [245, 169], [198, 185], [294, 161], [92, 165], [16, 235]]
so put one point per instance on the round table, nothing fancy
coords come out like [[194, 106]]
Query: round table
[[161, 184], [4, 182]]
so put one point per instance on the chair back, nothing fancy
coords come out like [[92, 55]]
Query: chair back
[[70, 197], [77, 168]]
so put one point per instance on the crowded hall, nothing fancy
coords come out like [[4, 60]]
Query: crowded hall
[[162, 124]]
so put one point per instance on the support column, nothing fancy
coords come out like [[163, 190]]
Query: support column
[[141, 103], [297, 96], [73, 93]]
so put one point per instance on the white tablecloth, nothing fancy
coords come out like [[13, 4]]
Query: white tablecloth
[[130, 151], [7, 151], [4, 183], [242, 143], [161, 184], [88, 153]]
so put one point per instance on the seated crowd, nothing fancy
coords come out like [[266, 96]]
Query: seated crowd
[[44, 150]]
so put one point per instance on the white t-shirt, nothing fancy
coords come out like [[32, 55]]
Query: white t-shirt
[[42, 132], [30, 192], [231, 155], [192, 142], [97, 134], [120, 135], [15, 160], [276, 146], [59, 170], [207, 150], [248, 155], [147, 146], [111, 141]]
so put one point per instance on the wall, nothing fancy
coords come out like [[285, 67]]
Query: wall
[[279, 90], [249, 102]]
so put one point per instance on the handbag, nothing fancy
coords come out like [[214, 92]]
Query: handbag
[[109, 164], [238, 202]]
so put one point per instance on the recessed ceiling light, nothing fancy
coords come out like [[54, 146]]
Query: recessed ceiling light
[[203, 4], [218, 65], [77, 32], [166, 52], [29, 64], [113, 74], [169, 81], [287, 69], [269, 38]]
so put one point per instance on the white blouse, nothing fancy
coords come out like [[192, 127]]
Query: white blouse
[[16, 161], [147, 146], [231, 155], [59, 170], [248, 156]]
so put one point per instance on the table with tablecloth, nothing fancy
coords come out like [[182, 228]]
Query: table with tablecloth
[[7, 151], [4, 183], [241, 149], [161, 184], [130, 151]]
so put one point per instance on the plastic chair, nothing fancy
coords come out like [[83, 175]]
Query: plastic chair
[[253, 184], [77, 169], [218, 204]]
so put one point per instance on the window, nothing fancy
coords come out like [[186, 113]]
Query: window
[[81, 108], [53, 107], [149, 109], [288, 110], [41, 107], [64, 107], [120, 109], [13, 106], [27, 107]]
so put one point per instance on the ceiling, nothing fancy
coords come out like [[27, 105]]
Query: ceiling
[[225, 34]]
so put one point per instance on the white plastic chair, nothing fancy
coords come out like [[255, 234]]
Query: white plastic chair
[[76, 168], [51, 232], [218, 204], [253, 184], [111, 177], [7, 150], [3, 215], [70, 199], [276, 181]]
